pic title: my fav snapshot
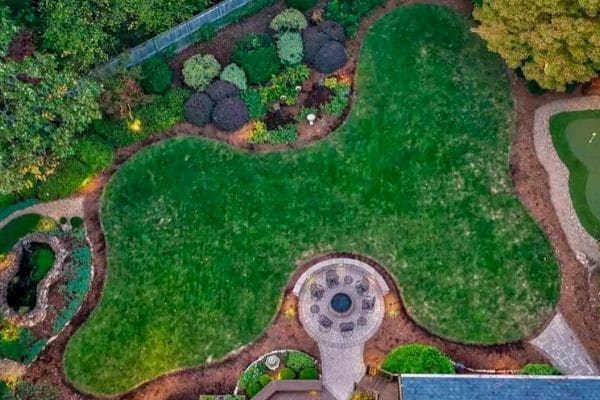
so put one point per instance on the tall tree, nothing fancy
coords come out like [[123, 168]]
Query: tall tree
[[554, 42], [8, 29], [41, 109]]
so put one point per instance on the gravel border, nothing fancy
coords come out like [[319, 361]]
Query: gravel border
[[69, 207], [585, 247]]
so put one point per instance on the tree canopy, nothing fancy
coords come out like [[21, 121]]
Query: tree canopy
[[554, 42], [41, 109]]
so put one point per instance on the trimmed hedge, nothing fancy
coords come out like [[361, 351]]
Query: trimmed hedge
[[286, 374], [235, 75], [200, 70], [69, 177], [289, 48], [289, 20], [157, 76], [417, 359], [230, 114], [331, 57], [539, 369], [257, 55], [198, 109], [309, 373]]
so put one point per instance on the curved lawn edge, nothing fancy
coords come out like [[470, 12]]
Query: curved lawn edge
[[578, 238], [401, 286]]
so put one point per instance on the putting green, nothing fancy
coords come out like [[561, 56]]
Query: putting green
[[576, 136], [202, 237]]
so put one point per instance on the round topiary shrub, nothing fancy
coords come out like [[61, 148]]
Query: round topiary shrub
[[230, 114], [257, 55], [302, 5], [289, 48], [539, 369], [313, 39], [309, 373], [289, 20], [333, 30], [219, 89], [286, 374], [235, 75], [298, 361], [76, 222], [198, 109], [417, 359], [156, 76], [264, 380], [331, 57], [200, 70]]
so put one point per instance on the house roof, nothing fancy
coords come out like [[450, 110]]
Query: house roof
[[498, 387]]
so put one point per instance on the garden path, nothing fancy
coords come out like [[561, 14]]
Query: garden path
[[562, 346], [70, 207]]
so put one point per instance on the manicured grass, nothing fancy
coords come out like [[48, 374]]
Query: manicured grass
[[202, 238], [579, 148]]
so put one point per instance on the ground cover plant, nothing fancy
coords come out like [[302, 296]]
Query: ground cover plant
[[539, 369], [576, 136], [202, 237]]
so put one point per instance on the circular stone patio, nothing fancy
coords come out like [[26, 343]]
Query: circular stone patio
[[341, 301]]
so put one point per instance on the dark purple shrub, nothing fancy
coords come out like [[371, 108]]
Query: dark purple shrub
[[333, 30], [276, 119], [198, 109], [219, 89], [313, 39], [230, 114], [331, 57], [319, 95]]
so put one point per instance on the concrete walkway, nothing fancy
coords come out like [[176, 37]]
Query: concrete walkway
[[585, 247], [71, 207], [560, 343]]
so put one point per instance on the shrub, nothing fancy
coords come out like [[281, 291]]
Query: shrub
[[314, 37], [331, 57], [253, 389], [219, 89], [69, 177], [251, 374], [76, 222], [289, 20], [298, 360], [286, 374], [333, 30], [259, 133], [361, 395], [257, 56], [301, 5], [162, 113], [256, 108], [230, 114], [417, 359], [156, 76], [284, 134], [200, 70], [309, 373], [32, 391], [93, 151], [535, 88], [7, 199], [122, 93], [198, 109], [339, 102], [349, 12], [539, 369], [235, 75], [289, 48], [264, 380]]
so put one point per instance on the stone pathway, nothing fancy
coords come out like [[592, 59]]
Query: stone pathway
[[560, 343], [71, 207], [341, 350], [581, 242]]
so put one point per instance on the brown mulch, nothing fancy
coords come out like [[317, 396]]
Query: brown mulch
[[219, 377]]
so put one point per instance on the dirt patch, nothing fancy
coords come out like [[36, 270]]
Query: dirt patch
[[220, 377]]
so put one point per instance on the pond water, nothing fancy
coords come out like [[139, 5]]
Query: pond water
[[37, 260]]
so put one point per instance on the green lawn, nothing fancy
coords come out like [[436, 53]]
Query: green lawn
[[576, 136], [20, 227], [202, 238]]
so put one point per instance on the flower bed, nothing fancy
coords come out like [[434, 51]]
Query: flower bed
[[276, 365], [281, 84]]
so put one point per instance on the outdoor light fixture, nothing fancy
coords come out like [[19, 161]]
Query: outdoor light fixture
[[311, 118]]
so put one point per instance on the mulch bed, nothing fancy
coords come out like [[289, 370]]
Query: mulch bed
[[531, 185]]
